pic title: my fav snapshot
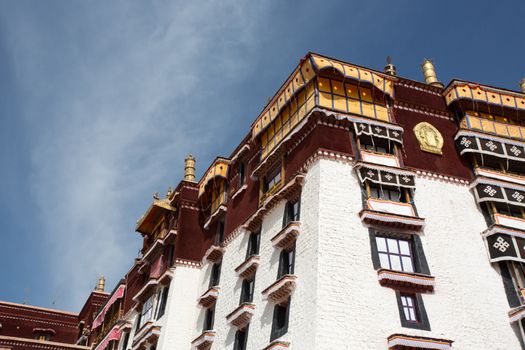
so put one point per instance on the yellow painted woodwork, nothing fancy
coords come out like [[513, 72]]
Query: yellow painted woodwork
[[219, 169], [463, 90], [309, 69], [488, 124]]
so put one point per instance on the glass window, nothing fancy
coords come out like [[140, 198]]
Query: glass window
[[147, 311], [163, 302], [247, 290], [272, 178], [125, 341], [395, 254], [286, 262], [280, 320], [291, 212], [241, 337], [209, 320], [376, 144], [253, 244], [219, 238], [408, 302], [215, 275], [241, 172], [387, 193]]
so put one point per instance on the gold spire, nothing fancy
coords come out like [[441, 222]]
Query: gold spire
[[429, 73], [522, 85], [101, 284], [189, 168]]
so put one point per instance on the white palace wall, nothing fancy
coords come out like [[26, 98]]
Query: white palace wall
[[338, 302], [468, 305]]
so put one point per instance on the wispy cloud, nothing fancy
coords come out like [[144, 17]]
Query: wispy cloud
[[135, 89]]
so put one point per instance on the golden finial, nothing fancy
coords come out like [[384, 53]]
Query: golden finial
[[522, 85], [189, 168], [101, 284], [170, 191], [429, 72]]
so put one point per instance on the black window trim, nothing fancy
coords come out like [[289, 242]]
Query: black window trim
[[418, 255], [421, 313]]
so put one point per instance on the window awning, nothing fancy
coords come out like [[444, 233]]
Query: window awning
[[504, 244], [392, 133], [470, 142], [406, 342], [385, 176], [99, 319], [114, 334], [489, 190]]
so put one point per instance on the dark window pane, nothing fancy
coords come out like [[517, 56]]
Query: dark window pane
[[208, 320], [280, 320], [241, 337], [215, 275]]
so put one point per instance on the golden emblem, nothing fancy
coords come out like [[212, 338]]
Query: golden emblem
[[429, 138]]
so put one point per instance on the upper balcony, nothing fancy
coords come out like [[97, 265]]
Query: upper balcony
[[155, 221], [325, 83], [213, 190], [468, 96]]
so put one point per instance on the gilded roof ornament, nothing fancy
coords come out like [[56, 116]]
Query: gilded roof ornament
[[429, 138]]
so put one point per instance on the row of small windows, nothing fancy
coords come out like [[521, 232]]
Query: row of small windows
[[286, 267]]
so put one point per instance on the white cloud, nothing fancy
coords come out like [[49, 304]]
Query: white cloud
[[135, 89]]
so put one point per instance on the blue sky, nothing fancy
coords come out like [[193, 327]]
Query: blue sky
[[100, 101]]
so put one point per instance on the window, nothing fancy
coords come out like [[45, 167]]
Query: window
[[125, 341], [409, 308], [376, 144], [208, 320], [505, 209], [215, 275], [280, 320], [43, 337], [272, 179], [241, 337], [286, 262], [219, 237], [171, 250], [163, 302], [291, 212], [412, 311], [253, 244], [395, 254], [394, 194], [247, 290], [241, 171], [147, 311]]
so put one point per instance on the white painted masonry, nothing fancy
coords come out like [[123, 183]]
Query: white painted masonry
[[338, 302]]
